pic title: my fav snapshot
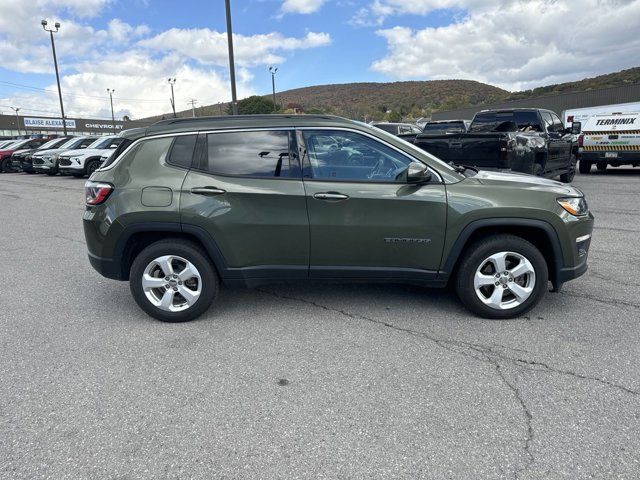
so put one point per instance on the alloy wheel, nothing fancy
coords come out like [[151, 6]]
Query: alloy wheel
[[171, 283], [504, 280]]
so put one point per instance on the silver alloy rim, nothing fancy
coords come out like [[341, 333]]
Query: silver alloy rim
[[504, 280], [171, 283]]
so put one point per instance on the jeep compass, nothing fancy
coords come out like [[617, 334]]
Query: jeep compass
[[248, 200]]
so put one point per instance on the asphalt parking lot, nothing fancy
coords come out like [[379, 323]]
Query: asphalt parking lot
[[314, 381]]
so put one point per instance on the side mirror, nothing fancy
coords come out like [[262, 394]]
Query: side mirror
[[417, 173], [576, 127]]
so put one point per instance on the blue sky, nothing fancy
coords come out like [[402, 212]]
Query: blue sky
[[134, 45]]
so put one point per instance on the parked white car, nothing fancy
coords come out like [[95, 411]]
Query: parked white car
[[85, 161]]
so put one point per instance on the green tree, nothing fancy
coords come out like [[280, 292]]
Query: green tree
[[393, 116], [253, 105]]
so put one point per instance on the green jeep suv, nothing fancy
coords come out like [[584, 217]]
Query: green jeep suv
[[193, 203]]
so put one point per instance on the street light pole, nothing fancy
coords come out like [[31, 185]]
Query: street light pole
[[172, 82], [111, 91], [273, 86], [55, 63], [232, 68], [16, 110]]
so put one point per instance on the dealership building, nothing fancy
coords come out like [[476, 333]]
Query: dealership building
[[14, 126]]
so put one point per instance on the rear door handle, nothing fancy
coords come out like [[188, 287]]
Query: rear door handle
[[330, 196], [209, 191]]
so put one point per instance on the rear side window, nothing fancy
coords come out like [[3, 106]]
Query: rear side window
[[182, 151], [521, 121], [264, 154]]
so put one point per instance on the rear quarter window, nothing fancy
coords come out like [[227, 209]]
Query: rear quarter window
[[263, 154]]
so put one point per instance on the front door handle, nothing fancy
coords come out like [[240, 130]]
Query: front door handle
[[209, 191], [330, 196]]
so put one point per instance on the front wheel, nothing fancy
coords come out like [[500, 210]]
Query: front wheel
[[571, 173], [601, 167], [92, 166], [501, 277], [173, 280]]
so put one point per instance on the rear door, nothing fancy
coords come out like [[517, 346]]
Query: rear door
[[365, 220], [559, 145], [245, 189]]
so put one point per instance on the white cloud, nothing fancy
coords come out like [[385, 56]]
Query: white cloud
[[301, 6], [140, 83], [128, 58], [519, 44], [210, 47]]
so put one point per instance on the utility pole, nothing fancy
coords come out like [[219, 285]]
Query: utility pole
[[273, 71], [232, 68], [55, 63], [172, 82], [193, 107], [16, 110], [111, 91]]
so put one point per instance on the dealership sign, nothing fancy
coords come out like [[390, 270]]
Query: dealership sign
[[105, 126], [47, 123]]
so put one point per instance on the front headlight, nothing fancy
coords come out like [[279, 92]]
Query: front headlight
[[575, 206]]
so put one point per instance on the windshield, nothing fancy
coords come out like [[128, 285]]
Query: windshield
[[520, 121], [51, 143], [444, 127], [417, 151], [387, 127], [71, 142], [101, 143], [6, 144]]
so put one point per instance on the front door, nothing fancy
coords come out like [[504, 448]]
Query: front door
[[365, 219], [246, 191]]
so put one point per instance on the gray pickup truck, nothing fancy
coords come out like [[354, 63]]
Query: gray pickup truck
[[524, 140]]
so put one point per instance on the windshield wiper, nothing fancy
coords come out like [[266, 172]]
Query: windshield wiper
[[462, 168]]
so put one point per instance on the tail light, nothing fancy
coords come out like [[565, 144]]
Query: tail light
[[580, 140], [97, 192]]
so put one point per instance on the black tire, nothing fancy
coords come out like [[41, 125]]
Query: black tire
[[5, 165], [78, 175], [190, 252], [91, 167], [601, 167], [585, 167], [52, 173], [537, 170], [30, 172], [477, 253], [571, 173]]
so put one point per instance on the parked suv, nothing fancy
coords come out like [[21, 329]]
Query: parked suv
[[192, 203], [84, 161], [47, 162], [8, 150], [22, 159]]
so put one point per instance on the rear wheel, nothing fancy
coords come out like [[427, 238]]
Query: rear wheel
[[601, 167], [173, 280], [585, 167], [501, 277]]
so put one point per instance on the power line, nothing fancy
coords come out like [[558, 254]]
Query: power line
[[39, 89], [57, 114]]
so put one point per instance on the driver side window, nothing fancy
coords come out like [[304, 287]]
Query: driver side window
[[349, 156]]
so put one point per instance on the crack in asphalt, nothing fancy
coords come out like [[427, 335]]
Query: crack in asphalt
[[528, 419], [614, 303], [486, 354]]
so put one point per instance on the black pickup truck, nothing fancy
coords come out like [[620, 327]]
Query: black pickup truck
[[524, 140]]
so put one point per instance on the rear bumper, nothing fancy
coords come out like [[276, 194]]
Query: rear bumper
[[107, 267], [623, 158]]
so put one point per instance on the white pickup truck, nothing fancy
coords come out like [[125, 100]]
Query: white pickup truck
[[610, 140]]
